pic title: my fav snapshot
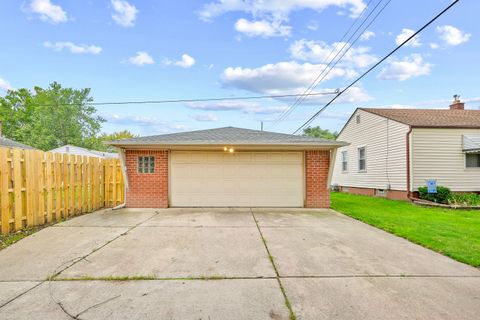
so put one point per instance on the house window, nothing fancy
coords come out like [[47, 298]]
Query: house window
[[146, 164], [362, 161], [357, 119], [344, 161], [472, 160]]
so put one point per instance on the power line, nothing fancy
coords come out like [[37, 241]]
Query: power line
[[187, 100], [375, 65], [316, 81], [354, 41]]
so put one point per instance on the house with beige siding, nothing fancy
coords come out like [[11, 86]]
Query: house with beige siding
[[393, 152]]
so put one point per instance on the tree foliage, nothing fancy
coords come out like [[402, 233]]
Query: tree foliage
[[125, 134], [318, 132], [51, 117]]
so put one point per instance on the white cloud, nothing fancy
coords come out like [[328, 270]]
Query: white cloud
[[141, 58], [404, 35], [48, 11], [367, 35], [452, 36], [74, 48], [5, 85], [231, 105], [125, 13], [314, 51], [279, 9], [406, 68], [352, 95], [262, 28], [207, 117], [434, 45], [279, 77], [185, 62]]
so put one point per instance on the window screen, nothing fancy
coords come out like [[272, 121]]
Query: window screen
[[362, 166], [344, 161], [473, 160], [146, 164]]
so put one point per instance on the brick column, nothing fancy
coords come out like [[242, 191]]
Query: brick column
[[147, 190], [317, 164]]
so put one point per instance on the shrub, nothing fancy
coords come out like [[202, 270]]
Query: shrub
[[442, 195], [465, 199]]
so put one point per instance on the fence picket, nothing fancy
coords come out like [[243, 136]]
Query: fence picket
[[39, 187], [5, 194]]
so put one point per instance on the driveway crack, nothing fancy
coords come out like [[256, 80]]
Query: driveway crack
[[72, 262], [277, 275]]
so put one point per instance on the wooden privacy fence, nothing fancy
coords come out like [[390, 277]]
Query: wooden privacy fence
[[39, 187]]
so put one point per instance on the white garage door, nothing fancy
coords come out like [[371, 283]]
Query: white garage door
[[239, 179]]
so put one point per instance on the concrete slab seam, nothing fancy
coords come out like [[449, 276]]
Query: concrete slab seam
[[282, 289]]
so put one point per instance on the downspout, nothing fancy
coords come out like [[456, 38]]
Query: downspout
[[333, 153], [121, 156], [409, 191]]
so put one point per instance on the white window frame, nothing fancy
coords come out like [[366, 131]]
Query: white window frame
[[364, 158], [344, 160]]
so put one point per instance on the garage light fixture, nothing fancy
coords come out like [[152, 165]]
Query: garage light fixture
[[228, 149]]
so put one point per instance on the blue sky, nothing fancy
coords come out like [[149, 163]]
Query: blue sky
[[144, 50]]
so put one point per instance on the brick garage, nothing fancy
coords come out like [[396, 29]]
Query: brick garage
[[227, 167]]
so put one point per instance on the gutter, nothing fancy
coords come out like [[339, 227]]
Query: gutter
[[407, 137]]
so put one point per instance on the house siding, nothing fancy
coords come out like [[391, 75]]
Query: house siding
[[437, 154], [385, 143]]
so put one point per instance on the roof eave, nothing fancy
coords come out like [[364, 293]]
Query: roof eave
[[306, 146]]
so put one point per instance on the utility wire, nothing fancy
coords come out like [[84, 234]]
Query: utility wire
[[187, 100], [355, 40], [306, 123], [312, 86]]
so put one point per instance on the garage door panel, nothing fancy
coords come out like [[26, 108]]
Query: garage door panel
[[236, 179]]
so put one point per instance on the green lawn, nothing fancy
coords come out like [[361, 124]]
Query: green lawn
[[454, 233]]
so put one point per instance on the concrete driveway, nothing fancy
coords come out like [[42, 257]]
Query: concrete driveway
[[229, 264]]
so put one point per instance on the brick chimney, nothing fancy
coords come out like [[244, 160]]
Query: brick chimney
[[457, 104]]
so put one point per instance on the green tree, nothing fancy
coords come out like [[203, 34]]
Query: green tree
[[318, 132], [51, 117], [125, 134]]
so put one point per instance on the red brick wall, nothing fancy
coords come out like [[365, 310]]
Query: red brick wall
[[360, 191], [317, 164], [147, 190], [391, 194]]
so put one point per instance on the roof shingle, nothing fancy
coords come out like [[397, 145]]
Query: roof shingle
[[9, 143], [226, 135], [431, 118]]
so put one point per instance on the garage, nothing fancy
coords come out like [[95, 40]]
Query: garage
[[240, 179], [227, 167]]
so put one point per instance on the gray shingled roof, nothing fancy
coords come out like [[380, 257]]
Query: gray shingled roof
[[226, 135], [8, 143], [432, 118]]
